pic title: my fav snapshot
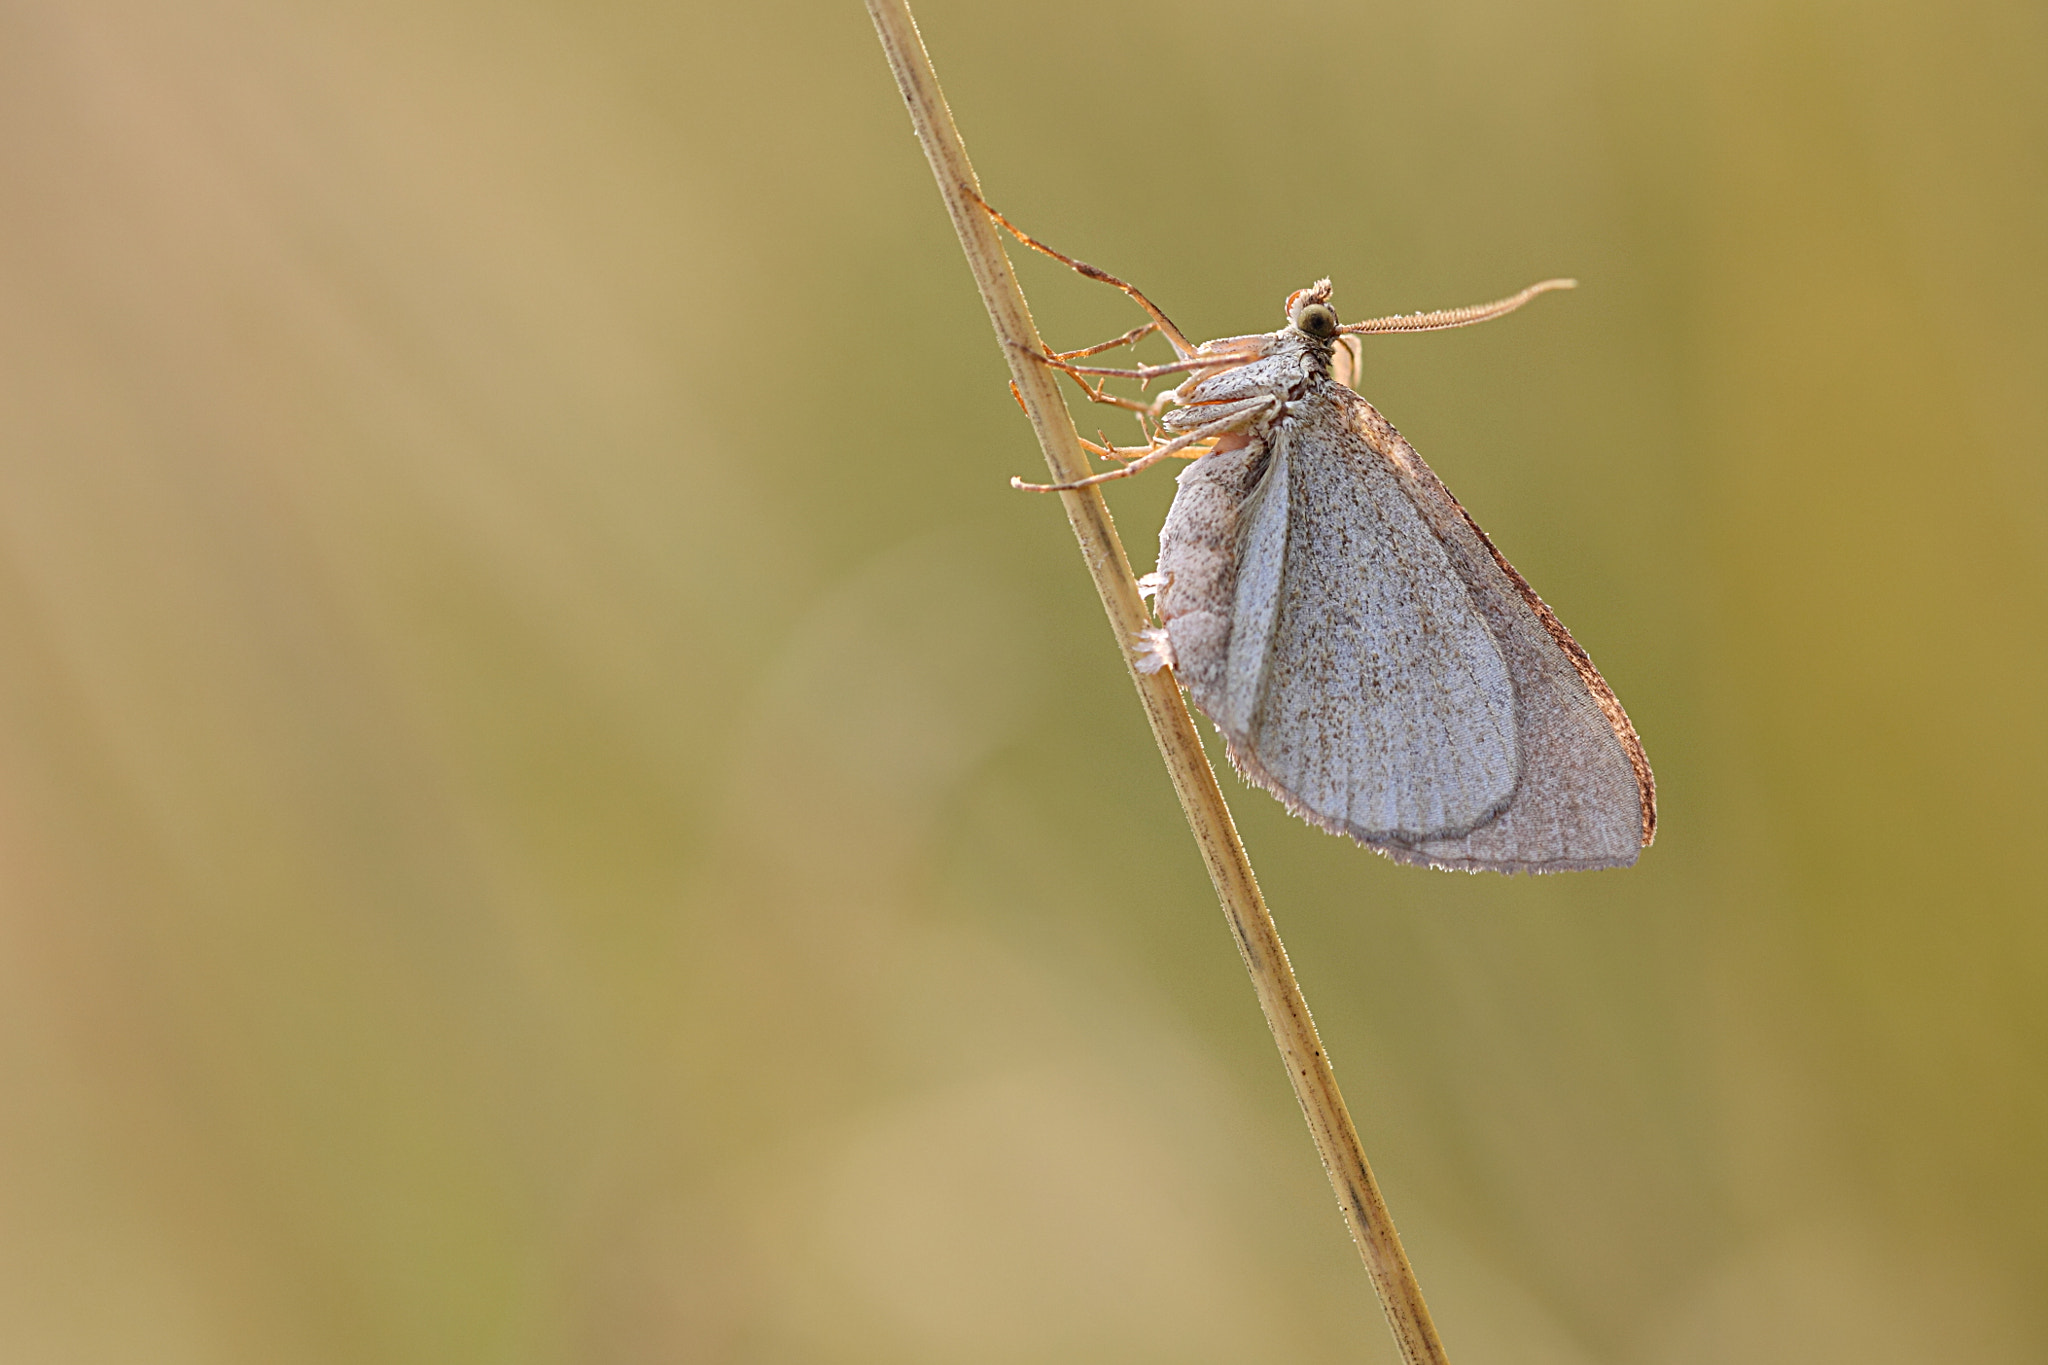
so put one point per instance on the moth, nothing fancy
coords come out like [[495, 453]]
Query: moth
[[1367, 654]]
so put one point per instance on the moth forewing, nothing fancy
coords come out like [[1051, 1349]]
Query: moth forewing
[[1585, 798]]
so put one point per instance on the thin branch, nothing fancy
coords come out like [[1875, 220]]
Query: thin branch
[[1258, 940]]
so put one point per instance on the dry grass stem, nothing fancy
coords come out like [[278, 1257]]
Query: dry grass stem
[[1315, 1085]]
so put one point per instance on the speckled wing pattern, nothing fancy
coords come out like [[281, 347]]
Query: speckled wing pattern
[[1372, 660]]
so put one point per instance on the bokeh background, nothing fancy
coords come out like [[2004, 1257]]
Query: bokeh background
[[555, 808]]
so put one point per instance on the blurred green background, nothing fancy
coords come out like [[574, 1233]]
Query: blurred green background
[[554, 806]]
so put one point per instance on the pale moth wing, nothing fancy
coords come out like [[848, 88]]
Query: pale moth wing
[[1372, 660], [1386, 706]]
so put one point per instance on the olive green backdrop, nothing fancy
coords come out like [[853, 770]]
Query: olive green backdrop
[[554, 807]]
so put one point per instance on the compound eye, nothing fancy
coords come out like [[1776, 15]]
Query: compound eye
[[1318, 320]]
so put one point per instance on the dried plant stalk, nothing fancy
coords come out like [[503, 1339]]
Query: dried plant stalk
[[1194, 781]]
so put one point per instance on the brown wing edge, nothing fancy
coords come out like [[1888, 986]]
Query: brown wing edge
[[1603, 695], [1411, 464], [1251, 770]]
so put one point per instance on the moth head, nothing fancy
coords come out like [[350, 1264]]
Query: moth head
[[1310, 313]]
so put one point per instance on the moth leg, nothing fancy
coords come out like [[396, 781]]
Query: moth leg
[[1204, 364], [1125, 454], [1215, 360], [1181, 345], [1097, 394], [1241, 416], [1130, 338], [1108, 450], [1196, 367]]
